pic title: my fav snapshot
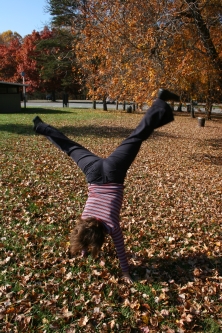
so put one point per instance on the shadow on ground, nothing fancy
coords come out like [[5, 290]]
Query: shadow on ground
[[39, 110], [216, 144], [180, 270], [99, 131], [210, 158], [207, 158], [90, 130]]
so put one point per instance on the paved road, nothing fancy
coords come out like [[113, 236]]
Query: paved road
[[72, 104], [89, 105]]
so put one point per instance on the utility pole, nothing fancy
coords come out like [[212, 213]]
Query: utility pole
[[24, 90]]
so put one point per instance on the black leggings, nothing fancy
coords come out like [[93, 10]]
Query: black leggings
[[112, 169]]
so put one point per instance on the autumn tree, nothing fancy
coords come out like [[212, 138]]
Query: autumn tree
[[9, 61], [142, 45], [10, 44], [27, 61], [45, 57], [200, 53], [7, 36], [17, 57]]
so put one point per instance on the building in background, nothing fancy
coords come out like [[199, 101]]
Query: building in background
[[11, 95]]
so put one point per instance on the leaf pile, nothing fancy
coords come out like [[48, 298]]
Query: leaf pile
[[171, 220]]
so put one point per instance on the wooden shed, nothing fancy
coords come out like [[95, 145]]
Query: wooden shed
[[10, 96]]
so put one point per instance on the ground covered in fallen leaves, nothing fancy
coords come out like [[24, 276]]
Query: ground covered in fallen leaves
[[171, 220]]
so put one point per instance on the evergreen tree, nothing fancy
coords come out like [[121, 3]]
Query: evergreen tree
[[57, 62]]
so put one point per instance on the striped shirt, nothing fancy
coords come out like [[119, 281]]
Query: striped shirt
[[104, 202]]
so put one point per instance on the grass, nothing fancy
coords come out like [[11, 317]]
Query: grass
[[171, 220]]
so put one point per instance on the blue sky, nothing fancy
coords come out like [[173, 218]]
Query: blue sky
[[23, 16]]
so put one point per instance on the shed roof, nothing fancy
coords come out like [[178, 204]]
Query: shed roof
[[14, 84]]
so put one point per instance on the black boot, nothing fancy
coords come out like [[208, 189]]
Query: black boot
[[37, 120], [166, 95]]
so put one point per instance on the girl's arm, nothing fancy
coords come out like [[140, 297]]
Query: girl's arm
[[118, 241]]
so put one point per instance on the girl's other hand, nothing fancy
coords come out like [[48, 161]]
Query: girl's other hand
[[127, 278]]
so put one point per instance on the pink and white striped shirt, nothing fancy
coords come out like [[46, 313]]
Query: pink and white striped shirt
[[104, 202]]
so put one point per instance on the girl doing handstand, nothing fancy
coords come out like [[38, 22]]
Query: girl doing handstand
[[105, 177]]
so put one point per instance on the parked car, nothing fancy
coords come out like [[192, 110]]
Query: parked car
[[110, 101], [49, 97]]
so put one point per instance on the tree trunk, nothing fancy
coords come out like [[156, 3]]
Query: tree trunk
[[53, 96], [104, 104], [208, 109], [179, 108], [172, 105], [192, 109], [205, 37]]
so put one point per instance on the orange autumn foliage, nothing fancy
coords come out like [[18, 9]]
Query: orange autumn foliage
[[130, 48]]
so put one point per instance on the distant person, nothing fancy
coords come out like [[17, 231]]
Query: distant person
[[105, 177]]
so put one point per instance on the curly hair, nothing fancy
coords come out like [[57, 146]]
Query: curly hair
[[88, 233]]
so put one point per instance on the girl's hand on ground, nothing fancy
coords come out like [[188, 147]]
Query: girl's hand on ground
[[127, 278]]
